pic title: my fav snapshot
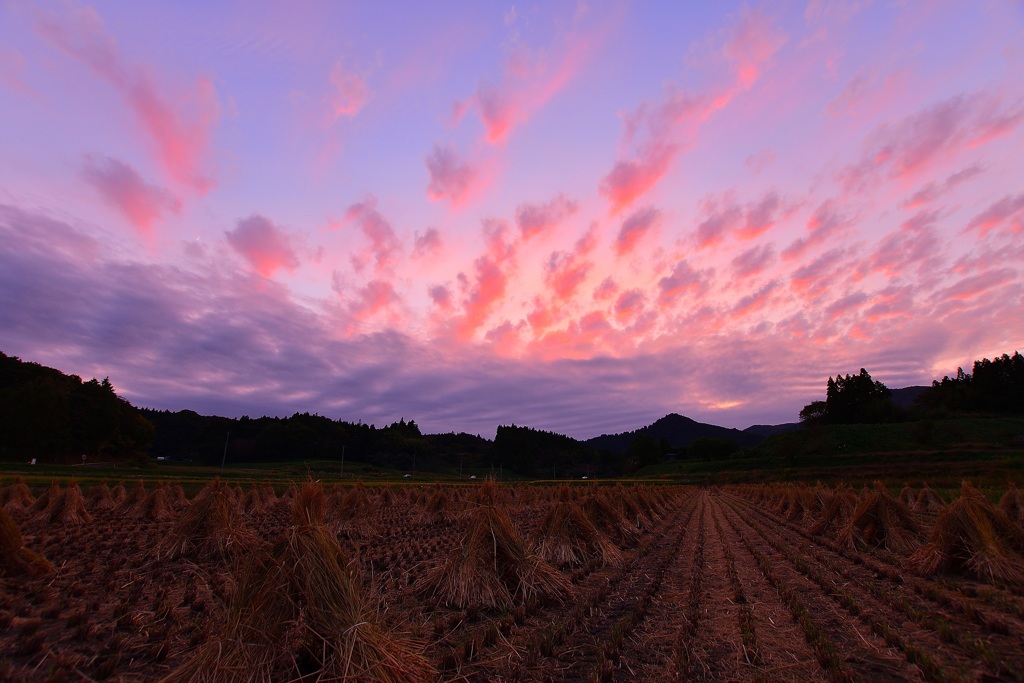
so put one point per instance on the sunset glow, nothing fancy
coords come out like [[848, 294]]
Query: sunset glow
[[573, 216]]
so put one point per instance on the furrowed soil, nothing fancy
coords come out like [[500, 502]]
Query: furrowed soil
[[716, 585]]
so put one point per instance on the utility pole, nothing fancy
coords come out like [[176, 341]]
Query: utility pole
[[343, 461], [225, 456]]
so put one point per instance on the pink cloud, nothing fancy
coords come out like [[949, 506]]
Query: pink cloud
[[531, 78], [826, 221], [451, 177], [866, 93], [427, 243], [606, 290], [761, 216], [123, 188], [266, 246], [491, 279], [904, 148], [755, 301], [566, 271], [350, 92], [752, 40], [933, 190], [441, 296], [12, 65], [975, 285], [818, 275], [629, 305], [1007, 211], [843, 306], [914, 243], [683, 280], [633, 229], [753, 261], [376, 297], [657, 132], [760, 160], [723, 217], [181, 136], [534, 219], [384, 245]]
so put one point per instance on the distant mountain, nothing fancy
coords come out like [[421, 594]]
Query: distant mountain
[[764, 431], [681, 431], [904, 398]]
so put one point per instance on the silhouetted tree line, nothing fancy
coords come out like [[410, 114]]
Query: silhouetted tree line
[[995, 387], [307, 437], [535, 452], [53, 417]]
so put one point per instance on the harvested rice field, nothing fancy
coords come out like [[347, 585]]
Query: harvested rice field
[[509, 583]]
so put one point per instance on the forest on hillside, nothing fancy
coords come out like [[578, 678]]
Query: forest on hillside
[[53, 417]]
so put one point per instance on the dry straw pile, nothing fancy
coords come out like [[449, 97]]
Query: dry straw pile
[[880, 520], [973, 536], [212, 527], [15, 558], [299, 613], [494, 567], [567, 538]]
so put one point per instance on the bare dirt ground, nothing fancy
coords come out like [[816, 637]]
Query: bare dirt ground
[[710, 587]]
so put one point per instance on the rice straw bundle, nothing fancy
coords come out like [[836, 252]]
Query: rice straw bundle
[[156, 507], [100, 498], [567, 538], [907, 495], [837, 511], [133, 501], [608, 520], [1012, 503], [973, 536], [253, 641], [343, 640], [176, 496], [15, 558], [929, 501], [385, 496], [18, 496], [211, 527], [118, 493], [68, 507], [253, 503], [437, 507], [493, 568], [880, 520], [48, 498]]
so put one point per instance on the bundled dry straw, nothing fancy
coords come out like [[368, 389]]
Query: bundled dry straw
[[118, 493], [250, 645], [975, 537], [608, 520], [907, 495], [567, 538], [928, 501], [837, 511], [300, 614], [881, 521], [17, 497], [494, 567], [156, 507], [100, 498], [15, 558], [211, 527], [68, 507], [1012, 503]]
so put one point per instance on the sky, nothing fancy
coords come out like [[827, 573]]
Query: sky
[[575, 216]]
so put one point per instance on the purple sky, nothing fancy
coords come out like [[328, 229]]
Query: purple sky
[[573, 216]]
